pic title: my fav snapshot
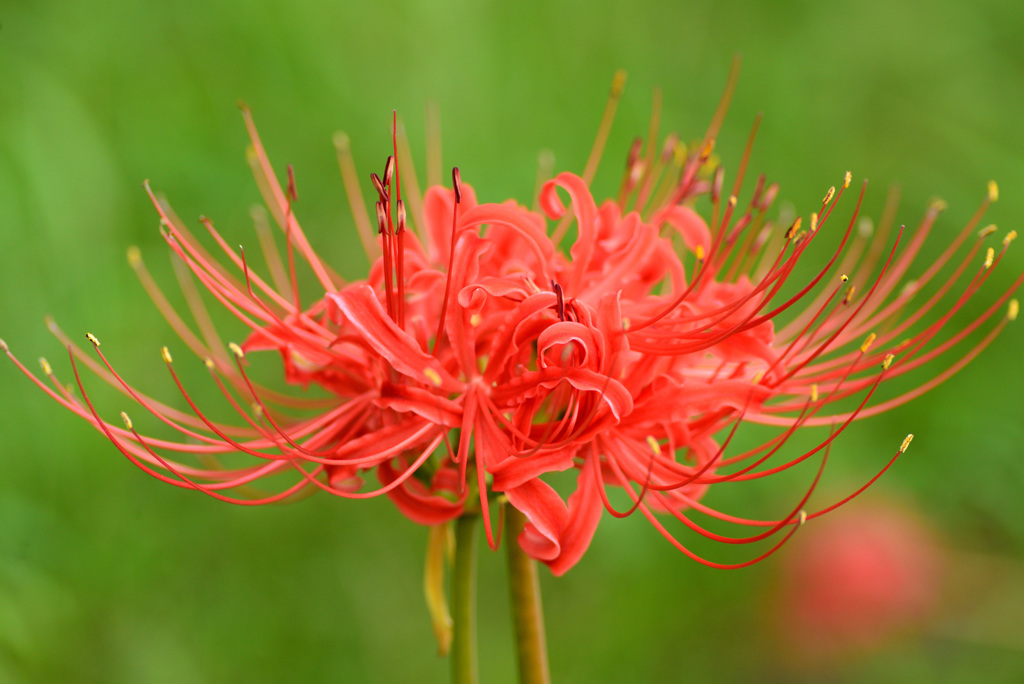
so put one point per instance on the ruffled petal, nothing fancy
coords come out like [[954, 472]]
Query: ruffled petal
[[546, 514], [415, 501], [362, 310], [585, 508]]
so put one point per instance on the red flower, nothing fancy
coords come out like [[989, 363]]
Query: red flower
[[477, 357], [861, 578]]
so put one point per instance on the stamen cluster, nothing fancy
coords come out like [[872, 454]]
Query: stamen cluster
[[477, 357]]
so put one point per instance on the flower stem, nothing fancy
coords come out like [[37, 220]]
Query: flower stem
[[527, 612], [463, 658]]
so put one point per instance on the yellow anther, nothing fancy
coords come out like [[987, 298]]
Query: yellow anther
[[801, 518], [134, 256], [208, 362], [990, 256], [679, 154], [758, 376], [699, 252], [865, 227], [653, 443], [814, 222], [906, 443], [847, 179], [127, 421], [165, 353], [732, 200], [475, 320], [625, 323], [618, 82], [987, 230], [433, 376], [236, 350], [993, 191], [866, 344], [794, 228], [257, 410], [3, 347], [799, 237], [1012, 309], [937, 204], [708, 149], [849, 294], [92, 338], [1010, 237], [844, 278], [887, 361], [829, 195], [341, 141], [814, 392], [45, 365]]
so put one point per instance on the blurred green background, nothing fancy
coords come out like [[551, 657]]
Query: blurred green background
[[107, 575]]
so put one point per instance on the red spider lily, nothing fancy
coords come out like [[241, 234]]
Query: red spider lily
[[862, 578], [477, 358]]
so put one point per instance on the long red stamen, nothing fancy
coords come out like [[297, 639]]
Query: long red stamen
[[457, 188]]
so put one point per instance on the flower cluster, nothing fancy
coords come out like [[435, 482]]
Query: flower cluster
[[478, 357]]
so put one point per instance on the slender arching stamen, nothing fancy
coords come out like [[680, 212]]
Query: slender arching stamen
[[801, 337], [932, 383], [400, 228], [795, 524], [597, 151], [605, 127], [899, 452], [164, 306], [712, 462], [645, 510], [350, 179], [852, 416], [793, 515], [385, 241], [808, 411], [668, 166], [292, 197], [741, 171], [770, 447], [278, 202], [631, 175], [414, 198], [922, 338], [839, 330], [457, 189], [266, 414], [400, 267], [776, 277], [647, 177], [143, 401], [703, 151], [835, 255], [306, 453], [124, 449], [268, 246]]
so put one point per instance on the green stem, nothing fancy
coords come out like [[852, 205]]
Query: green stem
[[527, 612], [463, 658]]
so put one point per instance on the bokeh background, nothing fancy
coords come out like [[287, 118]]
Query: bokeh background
[[106, 575]]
